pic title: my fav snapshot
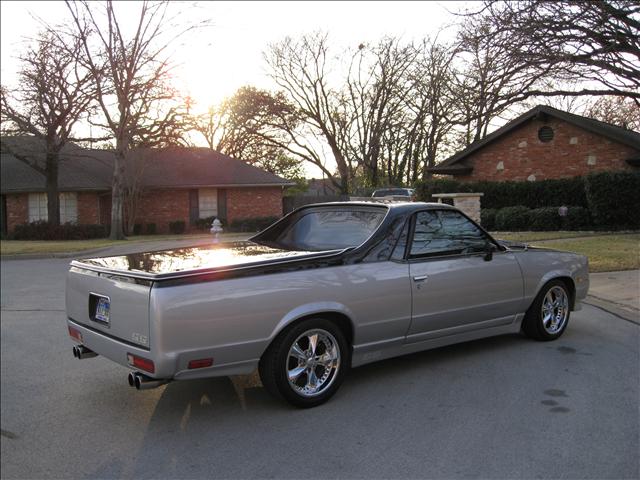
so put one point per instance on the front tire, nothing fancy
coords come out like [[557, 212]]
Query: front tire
[[548, 316], [306, 363]]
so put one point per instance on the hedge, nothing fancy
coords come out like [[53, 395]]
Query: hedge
[[519, 218], [45, 231], [544, 193], [254, 224], [512, 218], [204, 223], [488, 218], [177, 227], [614, 199], [607, 200]]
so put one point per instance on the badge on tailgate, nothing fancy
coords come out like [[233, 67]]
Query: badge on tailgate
[[99, 308]]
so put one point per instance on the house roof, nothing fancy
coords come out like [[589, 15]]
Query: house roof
[[86, 170], [453, 165]]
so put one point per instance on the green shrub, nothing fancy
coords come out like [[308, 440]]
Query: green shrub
[[578, 218], [150, 229], [45, 231], [488, 218], [512, 218], [177, 227], [543, 193], [137, 229], [254, 224], [545, 219], [205, 223], [614, 199], [425, 189]]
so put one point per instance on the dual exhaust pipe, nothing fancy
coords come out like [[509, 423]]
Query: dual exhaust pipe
[[143, 382], [81, 352], [136, 379]]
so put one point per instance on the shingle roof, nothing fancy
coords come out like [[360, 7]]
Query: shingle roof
[[612, 132], [84, 169]]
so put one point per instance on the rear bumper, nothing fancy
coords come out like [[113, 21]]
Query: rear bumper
[[168, 366]]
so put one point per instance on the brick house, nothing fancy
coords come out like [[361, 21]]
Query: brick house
[[175, 184], [545, 143]]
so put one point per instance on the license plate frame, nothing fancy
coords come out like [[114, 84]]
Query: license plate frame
[[101, 311]]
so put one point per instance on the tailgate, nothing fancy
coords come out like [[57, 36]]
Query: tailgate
[[115, 306]]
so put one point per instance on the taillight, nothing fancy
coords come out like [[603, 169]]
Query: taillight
[[141, 363], [201, 363], [75, 334]]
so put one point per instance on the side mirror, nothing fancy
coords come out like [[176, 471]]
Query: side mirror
[[489, 248]]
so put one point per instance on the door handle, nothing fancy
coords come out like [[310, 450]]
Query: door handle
[[420, 278]]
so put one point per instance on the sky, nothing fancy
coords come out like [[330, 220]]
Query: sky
[[215, 62]]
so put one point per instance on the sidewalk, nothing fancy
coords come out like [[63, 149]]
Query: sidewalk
[[616, 292]]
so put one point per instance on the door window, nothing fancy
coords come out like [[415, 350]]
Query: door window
[[446, 232]]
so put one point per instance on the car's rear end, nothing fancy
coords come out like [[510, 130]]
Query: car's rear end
[[109, 315]]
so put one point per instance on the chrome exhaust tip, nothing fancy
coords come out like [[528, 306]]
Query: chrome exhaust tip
[[142, 382], [81, 352]]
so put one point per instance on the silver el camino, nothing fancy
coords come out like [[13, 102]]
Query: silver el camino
[[326, 288]]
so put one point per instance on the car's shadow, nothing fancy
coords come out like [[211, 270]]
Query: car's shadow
[[236, 412]]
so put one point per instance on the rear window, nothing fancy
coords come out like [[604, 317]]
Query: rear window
[[330, 229]]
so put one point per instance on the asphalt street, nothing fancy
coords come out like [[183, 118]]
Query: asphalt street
[[504, 407]]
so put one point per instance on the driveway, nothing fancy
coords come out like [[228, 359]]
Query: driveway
[[505, 407]]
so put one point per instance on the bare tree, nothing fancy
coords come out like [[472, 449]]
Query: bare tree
[[377, 88], [53, 93], [303, 69], [130, 73], [434, 106], [620, 111], [597, 42], [492, 76], [249, 127]]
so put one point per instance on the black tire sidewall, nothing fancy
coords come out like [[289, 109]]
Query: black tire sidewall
[[534, 326]]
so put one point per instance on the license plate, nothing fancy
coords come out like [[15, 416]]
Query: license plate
[[102, 310]]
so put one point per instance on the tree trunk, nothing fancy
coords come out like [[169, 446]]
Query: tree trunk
[[53, 200], [117, 197]]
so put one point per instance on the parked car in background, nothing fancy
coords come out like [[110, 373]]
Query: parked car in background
[[326, 288], [404, 193]]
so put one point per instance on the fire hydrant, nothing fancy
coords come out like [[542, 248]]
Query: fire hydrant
[[216, 230]]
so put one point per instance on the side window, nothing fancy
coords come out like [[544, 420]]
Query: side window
[[445, 232]]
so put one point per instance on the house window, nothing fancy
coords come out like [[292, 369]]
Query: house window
[[68, 207], [38, 207], [208, 202]]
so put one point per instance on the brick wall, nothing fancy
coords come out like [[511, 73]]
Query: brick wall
[[17, 210], [520, 155], [88, 208], [163, 206], [253, 202]]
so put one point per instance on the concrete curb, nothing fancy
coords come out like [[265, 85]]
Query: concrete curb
[[133, 247], [620, 311], [41, 256]]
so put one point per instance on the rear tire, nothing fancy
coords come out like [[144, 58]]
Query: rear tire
[[548, 315], [306, 363]]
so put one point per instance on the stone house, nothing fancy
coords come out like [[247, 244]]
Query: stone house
[[174, 183], [545, 143]]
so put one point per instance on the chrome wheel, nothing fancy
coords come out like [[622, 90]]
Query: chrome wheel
[[313, 362], [555, 310]]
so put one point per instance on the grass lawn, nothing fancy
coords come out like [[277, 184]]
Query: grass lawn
[[606, 253], [536, 236], [18, 247]]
